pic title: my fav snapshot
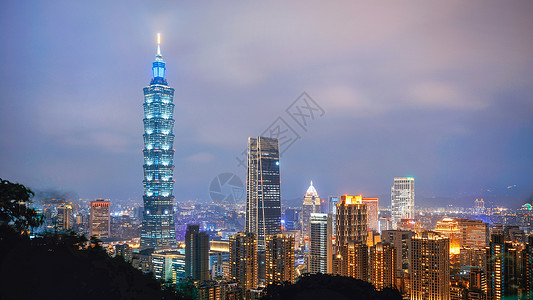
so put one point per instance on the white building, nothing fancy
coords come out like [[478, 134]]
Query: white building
[[402, 200]]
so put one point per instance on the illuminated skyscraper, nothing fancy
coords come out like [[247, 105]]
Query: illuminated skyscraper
[[99, 219], [402, 200], [351, 235], [243, 260], [503, 268], [320, 247], [158, 230], [263, 193], [64, 217], [526, 283], [400, 240], [310, 206], [372, 210], [279, 259], [429, 266], [383, 265]]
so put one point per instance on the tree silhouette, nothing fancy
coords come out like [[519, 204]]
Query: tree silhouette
[[15, 210]]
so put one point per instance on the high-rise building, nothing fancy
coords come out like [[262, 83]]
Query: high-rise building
[[263, 193], [450, 229], [100, 219], [196, 253], [479, 206], [158, 230], [383, 265], [162, 265], [243, 259], [400, 240], [502, 268], [320, 247], [311, 205], [402, 200], [333, 200], [291, 217], [473, 233], [372, 211], [351, 231], [526, 284], [279, 259], [429, 266], [64, 217], [357, 260]]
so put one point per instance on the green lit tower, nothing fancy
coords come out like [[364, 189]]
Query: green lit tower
[[158, 230]]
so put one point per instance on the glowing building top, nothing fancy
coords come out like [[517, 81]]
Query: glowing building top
[[311, 191]]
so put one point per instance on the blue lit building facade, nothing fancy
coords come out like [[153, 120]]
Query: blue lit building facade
[[158, 230]]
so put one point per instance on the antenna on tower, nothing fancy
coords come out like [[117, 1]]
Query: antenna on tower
[[159, 44]]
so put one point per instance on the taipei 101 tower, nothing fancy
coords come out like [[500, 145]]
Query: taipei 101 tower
[[158, 230]]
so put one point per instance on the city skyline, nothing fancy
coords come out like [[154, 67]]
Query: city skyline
[[71, 111]]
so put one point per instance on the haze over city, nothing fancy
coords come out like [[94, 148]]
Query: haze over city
[[438, 91]]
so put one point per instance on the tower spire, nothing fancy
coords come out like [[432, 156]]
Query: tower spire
[[158, 55]]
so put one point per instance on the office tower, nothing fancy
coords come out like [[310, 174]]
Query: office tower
[[320, 247], [450, 228], [99, 219], [473, 256], [64, 217], [279, 259], [162, 265], [310, 206], [243, 259], [383, 265], [402, 200], [292, 217], [196, 253], [502, 268], [263, 195], [526, 284], [372, 211], [351, 233], [473, 233], [333, 200], [429, 266], [400, 240], [158, 230]]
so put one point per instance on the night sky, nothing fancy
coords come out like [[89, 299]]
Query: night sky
[[438, 90]]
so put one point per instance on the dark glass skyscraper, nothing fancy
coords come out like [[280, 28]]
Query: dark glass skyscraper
[[263, 195], [158, 219]]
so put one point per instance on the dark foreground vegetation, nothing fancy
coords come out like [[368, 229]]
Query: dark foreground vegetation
[[61, 266], [322, 286]]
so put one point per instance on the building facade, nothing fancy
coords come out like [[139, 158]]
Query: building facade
[[64, 217], [243, 260], [383, 265], [158, 230], [263, 193], [372, 210], [196, 253], [100, 219], [402, 200], [320, 247], [429, 266], [279, 259], [351, 230]]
